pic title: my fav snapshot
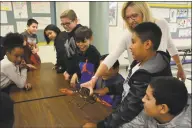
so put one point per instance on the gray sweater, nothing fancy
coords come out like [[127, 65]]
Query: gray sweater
[[11, 74], [183, 120]]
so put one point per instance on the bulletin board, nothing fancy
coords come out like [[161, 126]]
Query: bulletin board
[[14, 16], [177, 15]]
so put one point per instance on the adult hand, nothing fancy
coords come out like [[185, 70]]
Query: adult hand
[[90, 85], [181, 74]]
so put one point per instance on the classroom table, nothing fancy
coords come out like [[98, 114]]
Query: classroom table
[[57, 113], [45, 83], [44, 106]]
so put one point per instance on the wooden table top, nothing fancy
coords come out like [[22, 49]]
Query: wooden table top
[[57, 112], [45, 83], [44, 106]]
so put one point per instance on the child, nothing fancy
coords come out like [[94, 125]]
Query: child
[[32, 40], [165, 105], [53, 33], [6, 111], [13, 68], [87, 61], [110, 78], [69, 21], [2, 50], [148, 63]]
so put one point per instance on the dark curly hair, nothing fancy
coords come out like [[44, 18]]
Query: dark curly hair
[[13, 40]]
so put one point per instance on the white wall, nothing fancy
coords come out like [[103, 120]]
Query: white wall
[[82, 11]]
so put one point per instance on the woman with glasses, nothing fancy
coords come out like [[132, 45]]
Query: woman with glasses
[[134, 13], [53, 33]]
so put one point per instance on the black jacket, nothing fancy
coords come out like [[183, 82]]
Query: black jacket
[[60, 50], [2, 48], [71, 51], [131, 104]]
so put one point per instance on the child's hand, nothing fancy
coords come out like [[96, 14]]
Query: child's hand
[[102, 91], [22, 64], [66, 76], [66, 91], [89, 125], [31, 66], [28, 86], [73, 83], [34, 50]]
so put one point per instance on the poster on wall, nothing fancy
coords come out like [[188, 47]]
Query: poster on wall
[[113, 13], [189, 13], [188, 22], [20, 10], [3, 17], [182, 13], [21, 26], [5, 6], [6, 29], [173, 15], [43, 21], [182, 23], [185, 32], [40, 7]]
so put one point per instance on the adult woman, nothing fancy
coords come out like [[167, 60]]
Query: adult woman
[[134, 13], [53, 33]]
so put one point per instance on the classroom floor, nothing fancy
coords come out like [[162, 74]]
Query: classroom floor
[[187, 68]]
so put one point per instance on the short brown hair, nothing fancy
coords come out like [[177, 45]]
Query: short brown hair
[[69, 14]]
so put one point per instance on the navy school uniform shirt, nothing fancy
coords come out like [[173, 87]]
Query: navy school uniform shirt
[[113, 99]]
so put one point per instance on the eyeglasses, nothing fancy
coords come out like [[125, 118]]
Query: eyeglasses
[[133, 16], [66, 24]]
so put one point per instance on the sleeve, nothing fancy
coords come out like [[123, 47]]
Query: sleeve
[[73, 65], [78, 72], [60, 52], [121, 47], [19, 78], [37, 39], [115, 89], [171, 47], [131, 106], [170, 44], [140, 121], [94, 57]]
